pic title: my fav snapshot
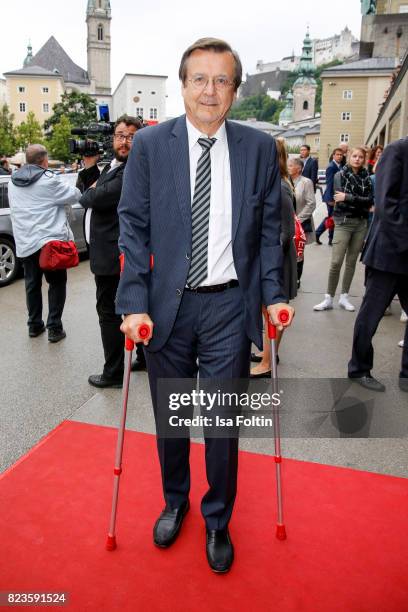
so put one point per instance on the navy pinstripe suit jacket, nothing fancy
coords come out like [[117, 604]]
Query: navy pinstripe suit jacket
[[155, 219]]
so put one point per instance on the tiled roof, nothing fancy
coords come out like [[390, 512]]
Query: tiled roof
[[259, 125], [33, 70], [52, 56], [372, 63]]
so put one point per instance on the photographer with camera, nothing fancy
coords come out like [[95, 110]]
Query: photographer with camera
[[101, 197]]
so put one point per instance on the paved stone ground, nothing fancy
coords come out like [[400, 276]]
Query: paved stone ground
[[42, 384]]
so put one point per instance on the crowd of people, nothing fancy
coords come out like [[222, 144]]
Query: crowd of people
[[208, 248]]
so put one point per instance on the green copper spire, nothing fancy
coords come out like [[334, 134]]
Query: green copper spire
[[286, 115], [306, 66], [29, 55]]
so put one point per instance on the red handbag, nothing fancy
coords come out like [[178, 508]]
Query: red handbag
[[329, 223], [299, 239], [59, 255]]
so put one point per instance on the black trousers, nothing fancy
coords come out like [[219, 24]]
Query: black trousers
[[57, 287], [208, 338], [113, 340], [381, 288], [322, 227]]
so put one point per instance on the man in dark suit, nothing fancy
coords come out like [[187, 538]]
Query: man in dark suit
[[201, 197], [310, 166], [328, 196], [101, 200], [386, 258]]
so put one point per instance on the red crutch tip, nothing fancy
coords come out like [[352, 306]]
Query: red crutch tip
[[111, 543], [281, 532]]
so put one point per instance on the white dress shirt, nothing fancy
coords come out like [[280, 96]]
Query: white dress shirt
[[221, 267], [88, 212]]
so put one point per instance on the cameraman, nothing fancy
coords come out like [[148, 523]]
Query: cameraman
[[102, 196]]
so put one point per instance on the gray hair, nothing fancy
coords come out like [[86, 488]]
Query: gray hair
[[35, 154], [211, 44], [298, 162]]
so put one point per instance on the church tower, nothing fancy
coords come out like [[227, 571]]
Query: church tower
[[98, 18], [304, 88]]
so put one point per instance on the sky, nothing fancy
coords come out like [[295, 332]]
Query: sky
[[150, 37]]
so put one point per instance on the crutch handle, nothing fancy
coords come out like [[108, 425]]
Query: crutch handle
[[283, 317], [144, 333]]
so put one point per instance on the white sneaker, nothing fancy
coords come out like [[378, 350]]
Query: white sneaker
[[327, 303], [404, 316], [344, 303], [401, 343]]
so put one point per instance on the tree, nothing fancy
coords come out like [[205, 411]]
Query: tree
[[8, 145], [78, 108], [58, 143], [261, 106], [29, 132]]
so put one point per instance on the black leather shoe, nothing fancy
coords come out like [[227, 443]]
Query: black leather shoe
[[55, 335], [318, 241], [168, 525], [403, 384], [256, 358], [368, 382], [33, 332], [99, 380], [220, 551]]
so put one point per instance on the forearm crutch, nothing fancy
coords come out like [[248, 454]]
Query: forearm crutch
[[144, 332], [280, 526]]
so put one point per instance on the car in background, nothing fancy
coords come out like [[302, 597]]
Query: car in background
[[10, 265], [321, 177]]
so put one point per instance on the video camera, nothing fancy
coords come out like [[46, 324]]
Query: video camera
[[97, 141]]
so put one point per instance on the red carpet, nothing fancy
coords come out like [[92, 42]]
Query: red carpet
[[347, 546]]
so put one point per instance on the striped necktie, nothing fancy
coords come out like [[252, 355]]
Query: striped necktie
[[200, 216]]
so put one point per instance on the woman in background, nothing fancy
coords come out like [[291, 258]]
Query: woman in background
[[263, 369], [353, 200]]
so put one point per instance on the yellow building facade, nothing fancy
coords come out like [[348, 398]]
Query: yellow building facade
[[34, 90], [351, 99]]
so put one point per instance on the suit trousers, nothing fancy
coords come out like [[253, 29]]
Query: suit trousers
[[57, 287], [381, 288], [208, 339], [113, 340]]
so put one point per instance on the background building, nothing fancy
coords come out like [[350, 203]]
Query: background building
[[392, 122], [264, 126], [303, 132], [33, 89], [3, 92], [45, 76], [384, 28], [351, 99], [269, 83], [338, 47], [141, 94], [98, 18], [271, 76]]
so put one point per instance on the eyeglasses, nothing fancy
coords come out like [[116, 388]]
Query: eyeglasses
[[123, 137], [200, 81]]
